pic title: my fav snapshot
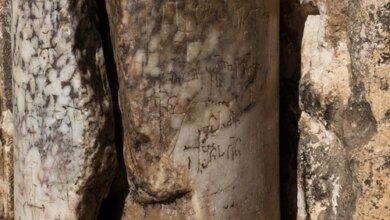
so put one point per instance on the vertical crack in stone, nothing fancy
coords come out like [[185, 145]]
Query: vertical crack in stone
[[88, 47], [293, 17], [113, 205]]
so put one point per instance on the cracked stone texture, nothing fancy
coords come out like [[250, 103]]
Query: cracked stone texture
[[199, 101], [6, 120], [64, 149], [344, 151]]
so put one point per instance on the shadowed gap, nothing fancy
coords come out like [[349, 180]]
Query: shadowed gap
[[87, 43], [112, 206], [292, 22]]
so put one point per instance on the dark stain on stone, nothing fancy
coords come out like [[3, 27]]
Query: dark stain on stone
[[387, 163], [384, 16], [331, 114], [387, 114], [384, 83], [64, 84], [319, 190], [141, 141], [385, 58], [368, 182], [359, 123], [309, 99]]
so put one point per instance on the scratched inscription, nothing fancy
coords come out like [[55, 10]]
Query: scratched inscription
[[210, 152], [194, 69], [221, 82], [212, 90]]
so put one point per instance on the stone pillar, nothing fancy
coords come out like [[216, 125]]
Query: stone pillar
[[64, 151], [199, 101], [6, 119], [344, 153]]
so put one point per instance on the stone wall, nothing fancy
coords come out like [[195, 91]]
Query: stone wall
[[343, 170], [193, 87]]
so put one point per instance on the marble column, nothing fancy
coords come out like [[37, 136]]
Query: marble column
[[199, 101], [6, 119], [64, 151], [344, 152]]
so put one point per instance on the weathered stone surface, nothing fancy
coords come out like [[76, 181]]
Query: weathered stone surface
[[64, 151], [6, 120], [345, 128], [198, 95]]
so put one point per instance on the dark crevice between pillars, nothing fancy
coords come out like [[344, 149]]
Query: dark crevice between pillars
[[112, 206], [292, 21], [86, 45]]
